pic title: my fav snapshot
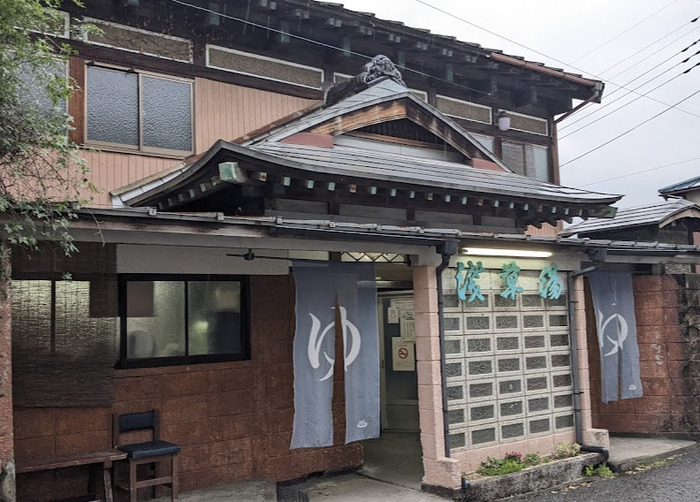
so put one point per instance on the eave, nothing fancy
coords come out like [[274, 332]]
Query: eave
[[260, 174]]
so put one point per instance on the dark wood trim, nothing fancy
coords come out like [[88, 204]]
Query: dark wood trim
[[109, 55], [76, 104]]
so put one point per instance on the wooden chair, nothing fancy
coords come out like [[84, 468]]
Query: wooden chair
[[156, 452]]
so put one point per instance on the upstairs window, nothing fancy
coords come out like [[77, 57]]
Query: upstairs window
[[526, 159], [139, 111], [167, 320]]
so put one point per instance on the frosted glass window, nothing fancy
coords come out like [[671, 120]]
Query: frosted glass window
[[182, 321], [514, 156], [484, 140], [538, 165], [34, 92], [161, 331], [167, 114], [139, 111], [530, 160], [214, 317], [112, 106]]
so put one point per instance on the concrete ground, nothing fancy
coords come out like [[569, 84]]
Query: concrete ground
[[393, 472], [628, 453]]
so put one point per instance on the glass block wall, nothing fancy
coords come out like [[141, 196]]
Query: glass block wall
[[508, 363]]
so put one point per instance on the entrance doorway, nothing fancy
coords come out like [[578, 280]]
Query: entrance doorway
[[399, 385], [396, 456]]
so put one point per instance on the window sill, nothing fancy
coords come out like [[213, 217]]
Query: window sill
[[166, 362], [115, 149]]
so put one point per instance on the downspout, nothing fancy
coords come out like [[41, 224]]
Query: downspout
[[447, 249], [574, 360]]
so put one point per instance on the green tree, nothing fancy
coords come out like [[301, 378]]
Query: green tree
[[41, 172], [42, 176]]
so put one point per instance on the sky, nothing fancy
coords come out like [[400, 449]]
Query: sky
[[633, 46]]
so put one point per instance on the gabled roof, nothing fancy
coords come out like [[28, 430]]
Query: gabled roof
[[277, 164], [683, 186], [373, 98], [659, 214]]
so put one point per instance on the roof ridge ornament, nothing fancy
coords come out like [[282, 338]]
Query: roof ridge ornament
[[381, 66], [377, 69]]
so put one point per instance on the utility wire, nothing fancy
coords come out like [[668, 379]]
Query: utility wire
[[623, 32], [608, 103], [291, 35], [323, 44], [454, 16], [692, 28], [634, 173], [598, 118], [670, 107]]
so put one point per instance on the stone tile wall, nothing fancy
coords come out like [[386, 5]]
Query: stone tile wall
[[233, 419], [667, 309]]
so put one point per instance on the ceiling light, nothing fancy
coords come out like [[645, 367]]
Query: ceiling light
[[518, 253]]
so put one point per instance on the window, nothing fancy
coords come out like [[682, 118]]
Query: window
[[170, 320], [34, 92], [64, 342], [139, 111], [529, 160]]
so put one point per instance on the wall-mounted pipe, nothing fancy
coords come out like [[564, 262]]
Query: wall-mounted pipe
[[574, 358]]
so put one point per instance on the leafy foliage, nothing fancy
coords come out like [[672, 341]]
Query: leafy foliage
[[600, 470], [42, 176], [512, 462], [566, 450]]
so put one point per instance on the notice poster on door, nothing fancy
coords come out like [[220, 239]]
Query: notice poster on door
[[403, 355], [407, 326]]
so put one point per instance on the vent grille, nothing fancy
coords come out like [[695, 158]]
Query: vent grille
[[273, 69], [145, 42], [464, 109]]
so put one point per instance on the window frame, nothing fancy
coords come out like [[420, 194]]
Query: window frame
[[243, 355], [140, 148]]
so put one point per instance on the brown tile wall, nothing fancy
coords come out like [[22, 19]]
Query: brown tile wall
[[6, 427], [233, 420], [669, 353]]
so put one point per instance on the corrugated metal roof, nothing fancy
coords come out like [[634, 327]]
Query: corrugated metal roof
[[691, 184], [355, 162], [653, 214]]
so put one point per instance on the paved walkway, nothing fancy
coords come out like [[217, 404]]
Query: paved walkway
[[398, 475]]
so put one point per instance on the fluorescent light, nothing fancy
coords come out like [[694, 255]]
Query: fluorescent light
[[520, 253]]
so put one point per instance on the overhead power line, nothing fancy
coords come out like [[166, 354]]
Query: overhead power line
[[598, 118], [629, 130], [623, 32], [641, 171], [593, 111], [322, 44], [454, 16]]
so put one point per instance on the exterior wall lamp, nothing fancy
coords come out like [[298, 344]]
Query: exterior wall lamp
[[515, 253], [503, 120]]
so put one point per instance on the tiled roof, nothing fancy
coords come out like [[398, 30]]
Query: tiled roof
[[369, 164], [652, 214]]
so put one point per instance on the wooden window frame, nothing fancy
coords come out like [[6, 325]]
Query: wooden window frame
[[244, 354]]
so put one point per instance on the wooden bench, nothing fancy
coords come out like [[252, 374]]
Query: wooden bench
[[93, 459]]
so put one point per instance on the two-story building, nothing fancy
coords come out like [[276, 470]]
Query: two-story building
[[234, 139]]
